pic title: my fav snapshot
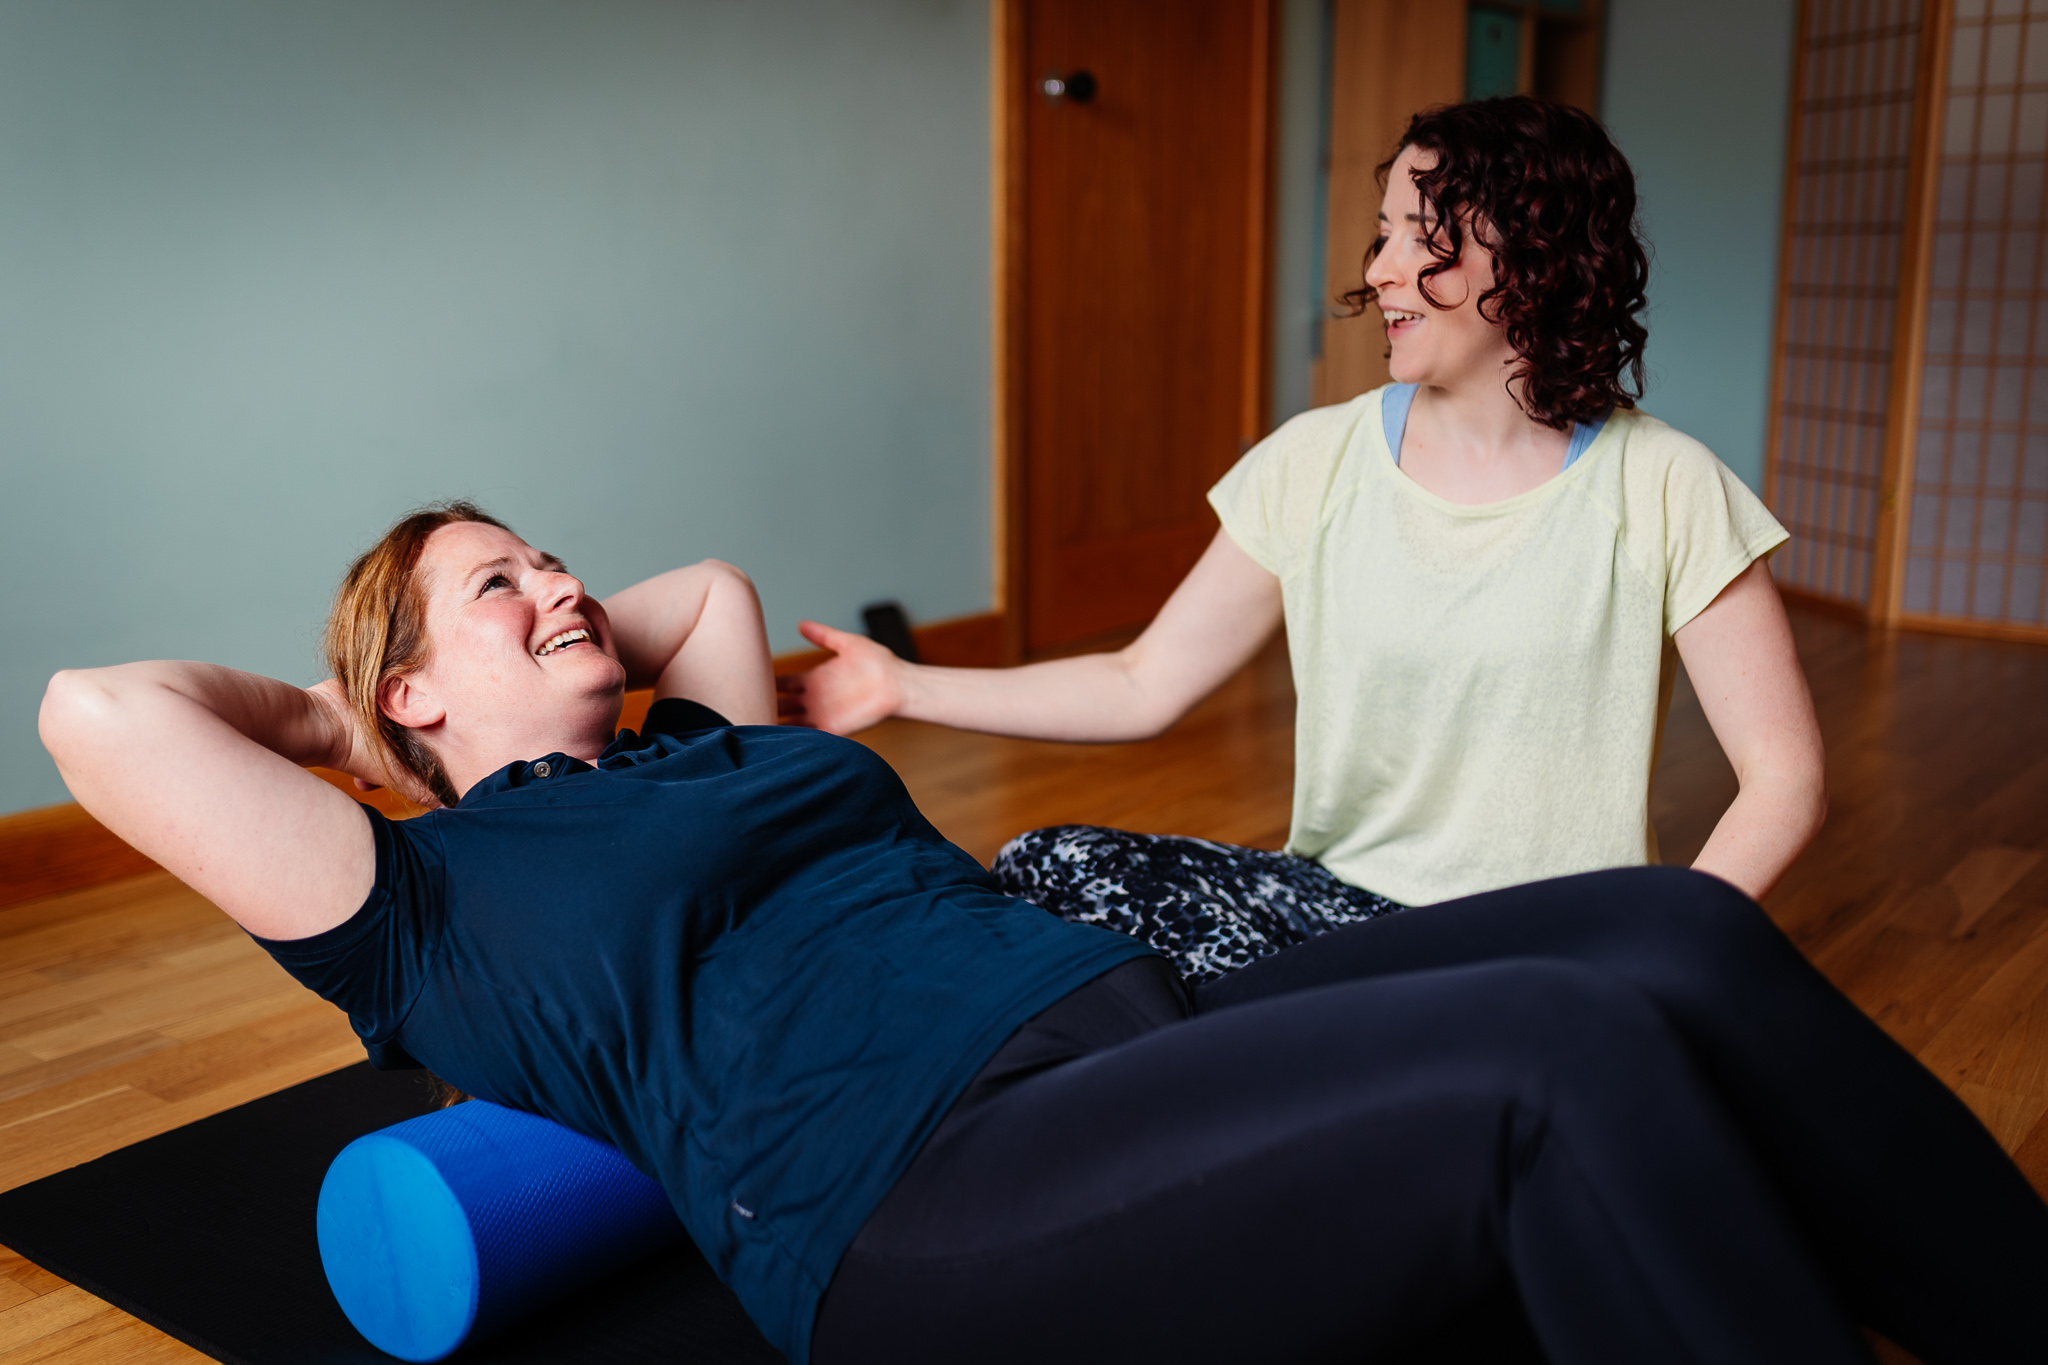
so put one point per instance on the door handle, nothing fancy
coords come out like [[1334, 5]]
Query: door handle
[[1077, 86]]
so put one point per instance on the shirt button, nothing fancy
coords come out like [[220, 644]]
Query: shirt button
[[540, 769]]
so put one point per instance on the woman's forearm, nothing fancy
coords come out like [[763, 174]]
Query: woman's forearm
[[85, 710], [1764, 830], [1744, 667], [202, 768], [697, 632], [1092, 698], [1213, 623]]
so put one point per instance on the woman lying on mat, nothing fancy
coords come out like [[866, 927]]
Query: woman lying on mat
[[1482, 568], [910, 1119]]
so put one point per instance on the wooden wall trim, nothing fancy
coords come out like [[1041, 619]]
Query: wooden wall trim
[[1909, 328], [1007, 94], [1823, 605], [1914, 621], [1976, 630], [54, 849], [60, 848]]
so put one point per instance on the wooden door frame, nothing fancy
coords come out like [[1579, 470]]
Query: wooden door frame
[[1009, 91], [1909, 321]]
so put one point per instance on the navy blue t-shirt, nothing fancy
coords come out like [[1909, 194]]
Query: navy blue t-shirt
[[739, 954]]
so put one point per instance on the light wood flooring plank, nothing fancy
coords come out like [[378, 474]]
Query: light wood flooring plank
[[71, 1325], [27, 1273], [44, 1316]]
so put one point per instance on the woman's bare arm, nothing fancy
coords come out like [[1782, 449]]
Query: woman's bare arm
[[1216, 619], [696, 632], [1740, 657], [201, 768]]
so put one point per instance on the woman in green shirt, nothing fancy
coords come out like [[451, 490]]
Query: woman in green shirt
[[1488, 572]]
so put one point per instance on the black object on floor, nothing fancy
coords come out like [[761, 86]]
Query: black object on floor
[[889, 627], [207, 1233]]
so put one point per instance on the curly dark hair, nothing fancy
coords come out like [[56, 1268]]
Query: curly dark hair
[[1542, 187]]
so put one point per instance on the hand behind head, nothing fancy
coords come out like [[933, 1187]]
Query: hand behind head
[[358, 758]]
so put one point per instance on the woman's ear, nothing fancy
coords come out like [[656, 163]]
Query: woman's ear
[[405, 700]]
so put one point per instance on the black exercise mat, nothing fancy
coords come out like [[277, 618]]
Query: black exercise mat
[[207, 1233]]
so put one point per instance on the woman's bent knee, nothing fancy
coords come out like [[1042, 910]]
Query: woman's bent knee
[[1694, 920]]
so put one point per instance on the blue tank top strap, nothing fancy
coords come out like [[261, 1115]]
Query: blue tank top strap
[[1582, 436], [1396, 399]]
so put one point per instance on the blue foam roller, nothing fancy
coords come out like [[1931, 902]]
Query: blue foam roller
[[452, 1225]]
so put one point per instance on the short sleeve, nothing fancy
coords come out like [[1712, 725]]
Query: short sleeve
[[1272, 501], [1714, 528], [374, 963]]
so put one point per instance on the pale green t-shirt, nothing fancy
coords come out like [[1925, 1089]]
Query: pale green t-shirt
[[1482, 689]]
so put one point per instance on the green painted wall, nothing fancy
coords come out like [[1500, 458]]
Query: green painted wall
[[1697, 96], [654, 279]]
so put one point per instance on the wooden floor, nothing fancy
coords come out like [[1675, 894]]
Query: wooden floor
[[135, 1007]]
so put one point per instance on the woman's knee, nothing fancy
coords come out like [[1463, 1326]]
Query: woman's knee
[[1692, 920]]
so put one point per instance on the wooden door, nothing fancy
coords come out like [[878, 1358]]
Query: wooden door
[[1141, 291]]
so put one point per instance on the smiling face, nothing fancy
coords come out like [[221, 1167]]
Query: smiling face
[[521, 660], [1444, 343]]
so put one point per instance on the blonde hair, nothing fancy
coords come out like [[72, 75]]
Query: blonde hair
[[378, 631]]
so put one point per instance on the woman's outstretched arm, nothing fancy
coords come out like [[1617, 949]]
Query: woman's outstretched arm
[[1215, 621], [696, 632], [1740, 657], [201, 768]]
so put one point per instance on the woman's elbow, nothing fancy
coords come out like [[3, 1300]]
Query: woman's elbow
[[730, 577], [77, 702], [729, 594], [719, 568], [1817, 804], [1151, 705], [1802, 793], [1156, 715]]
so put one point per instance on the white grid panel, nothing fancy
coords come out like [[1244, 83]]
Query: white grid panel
[[1854, 138], [1977, 544]]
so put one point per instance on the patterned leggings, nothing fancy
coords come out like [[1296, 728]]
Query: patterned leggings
[[1210, 907]]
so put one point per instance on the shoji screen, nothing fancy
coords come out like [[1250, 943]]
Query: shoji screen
[[1852, 126], [1909, 438], [1977, 549]]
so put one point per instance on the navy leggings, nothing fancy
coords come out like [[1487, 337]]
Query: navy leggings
[[1609, 1118]]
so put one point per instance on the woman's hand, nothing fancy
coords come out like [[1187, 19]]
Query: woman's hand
[[861, 685], [354, 754]]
